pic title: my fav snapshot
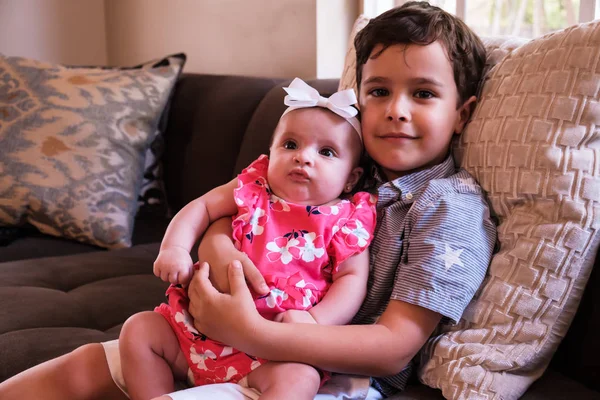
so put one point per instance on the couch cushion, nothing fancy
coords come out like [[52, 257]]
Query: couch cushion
[[551, 386], [203, 137], [52, 305], [26, 243]]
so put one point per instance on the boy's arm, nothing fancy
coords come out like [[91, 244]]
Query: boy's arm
[[346, 293], [381, 349]]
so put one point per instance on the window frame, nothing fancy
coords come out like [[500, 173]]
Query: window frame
[[588, 9]]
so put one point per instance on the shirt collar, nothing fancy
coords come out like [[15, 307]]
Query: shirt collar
[[409, 185]]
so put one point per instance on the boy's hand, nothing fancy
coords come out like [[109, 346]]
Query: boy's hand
[[295, 316], [174, 265]]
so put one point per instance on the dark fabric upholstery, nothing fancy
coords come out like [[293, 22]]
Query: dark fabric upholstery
[[52, 305], [209, 115]]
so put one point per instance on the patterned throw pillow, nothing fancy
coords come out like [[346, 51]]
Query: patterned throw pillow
[[533, 146], [73, 144]]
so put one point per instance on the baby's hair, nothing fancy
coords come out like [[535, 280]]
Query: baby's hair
[[422, 24]]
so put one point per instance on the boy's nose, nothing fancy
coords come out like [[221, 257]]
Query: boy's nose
[[398, 111]]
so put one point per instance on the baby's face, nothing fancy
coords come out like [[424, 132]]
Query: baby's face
[[314, 157]]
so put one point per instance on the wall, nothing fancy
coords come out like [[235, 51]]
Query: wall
[[334, 24], [275, 38], [63, 31], [247, 37]]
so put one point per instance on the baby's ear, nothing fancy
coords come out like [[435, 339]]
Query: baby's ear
[[355, 175], [464, 114]]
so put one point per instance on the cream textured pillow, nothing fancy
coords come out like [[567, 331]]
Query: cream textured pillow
[[532, 145], [348, 79], [73, 144]]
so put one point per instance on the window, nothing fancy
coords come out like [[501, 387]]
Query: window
[[526, 18]]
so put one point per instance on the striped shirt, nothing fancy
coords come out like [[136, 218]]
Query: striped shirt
[[432, 246]]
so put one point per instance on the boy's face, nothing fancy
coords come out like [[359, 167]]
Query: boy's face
[[408, 103]]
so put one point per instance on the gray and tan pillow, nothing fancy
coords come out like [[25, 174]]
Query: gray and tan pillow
[[73, 144], [533, 146]]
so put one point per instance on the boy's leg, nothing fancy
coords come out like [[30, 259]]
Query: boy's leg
[[150, 356], [82, 374], [277, 380]]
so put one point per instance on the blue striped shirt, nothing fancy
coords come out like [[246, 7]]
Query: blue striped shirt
[[433, 242]]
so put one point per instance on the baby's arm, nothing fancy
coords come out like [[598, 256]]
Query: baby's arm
[[217, 249], [174, 263], [346, 293]]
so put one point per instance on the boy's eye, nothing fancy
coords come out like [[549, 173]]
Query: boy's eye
[[424, 94], [379, 92], [327, 152], [289, 145]]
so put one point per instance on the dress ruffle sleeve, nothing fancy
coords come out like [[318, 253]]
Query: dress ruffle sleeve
[[252, 184], [353, 234]]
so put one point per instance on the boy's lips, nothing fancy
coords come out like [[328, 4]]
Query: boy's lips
[[397, 135]]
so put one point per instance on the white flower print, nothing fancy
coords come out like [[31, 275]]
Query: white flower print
[[355, 228], [200, 358], [306, 298], [278, 204], [281, 249], [227, 351], [274, 295], [307, 293], [186, 319], [231, 372], [310, 251], [257, 222]]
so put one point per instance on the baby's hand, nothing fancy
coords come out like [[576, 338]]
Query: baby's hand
[[296, 316], [174, 265]]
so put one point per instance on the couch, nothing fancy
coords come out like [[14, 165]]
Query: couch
[[58, 294]]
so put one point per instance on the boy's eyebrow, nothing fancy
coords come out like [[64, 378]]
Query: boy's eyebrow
[[418, 81], [427, 81], [376, 79]]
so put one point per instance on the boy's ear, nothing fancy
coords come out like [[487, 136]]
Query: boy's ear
[[353, 179], [464, 113]]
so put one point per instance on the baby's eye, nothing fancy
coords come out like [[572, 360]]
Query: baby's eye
[[424, 94], [289, 145], [327, 153], [379, 92]]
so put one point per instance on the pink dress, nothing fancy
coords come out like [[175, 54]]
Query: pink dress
[[297, 248]]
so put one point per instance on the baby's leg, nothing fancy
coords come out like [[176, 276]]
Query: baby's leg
[[291, 381], [150, 356]]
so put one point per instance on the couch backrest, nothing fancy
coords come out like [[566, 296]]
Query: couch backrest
[[208, 118]]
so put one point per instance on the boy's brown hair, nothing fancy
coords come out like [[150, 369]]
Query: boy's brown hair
[[422, 24]]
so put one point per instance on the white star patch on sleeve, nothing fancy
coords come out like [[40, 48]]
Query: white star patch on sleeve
[[451, 257]]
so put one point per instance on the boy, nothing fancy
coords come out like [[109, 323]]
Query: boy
[[418, 68]]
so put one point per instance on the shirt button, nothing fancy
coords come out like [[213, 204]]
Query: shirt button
[[409, 196]]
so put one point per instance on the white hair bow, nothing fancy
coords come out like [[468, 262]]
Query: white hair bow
[[302, 95]]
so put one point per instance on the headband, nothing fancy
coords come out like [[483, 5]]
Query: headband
[[301, 95]]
